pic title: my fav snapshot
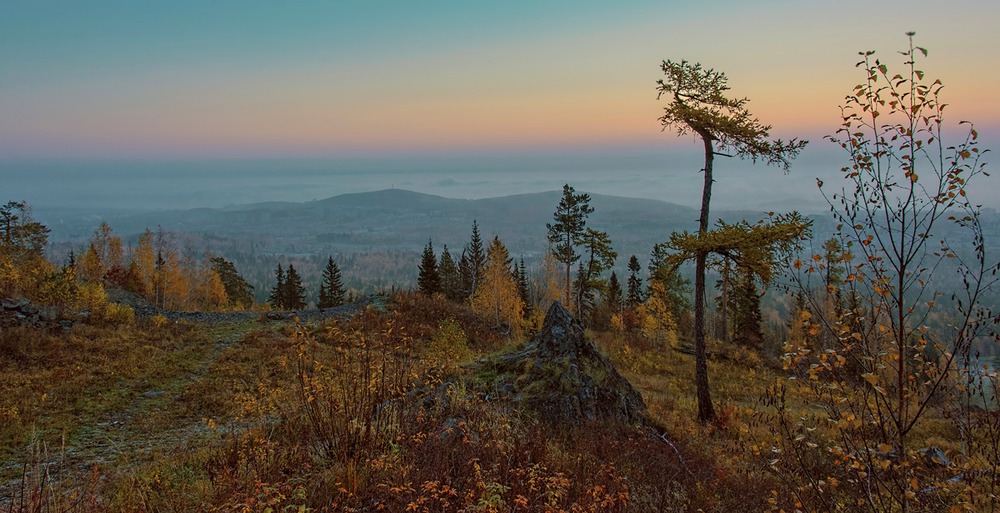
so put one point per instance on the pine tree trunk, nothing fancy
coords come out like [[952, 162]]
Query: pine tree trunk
[[705, 410]]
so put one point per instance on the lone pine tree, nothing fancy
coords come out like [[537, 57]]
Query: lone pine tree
[[699, 105], [567, 232]]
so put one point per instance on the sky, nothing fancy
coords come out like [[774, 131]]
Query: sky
[[129, 83]]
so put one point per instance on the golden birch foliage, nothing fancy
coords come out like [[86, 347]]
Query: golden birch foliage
[[57, 288], [498, 298], [144, 262], [104, 247], [176, 284], [116, 252], [89, 267], [207, 290], [10, 277], [657, 322]]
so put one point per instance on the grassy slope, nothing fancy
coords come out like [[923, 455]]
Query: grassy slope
[[250, 417]]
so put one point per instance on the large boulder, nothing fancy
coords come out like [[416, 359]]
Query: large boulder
[[564, 377]]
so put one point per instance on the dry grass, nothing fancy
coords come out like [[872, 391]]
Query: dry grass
[[370, 414]]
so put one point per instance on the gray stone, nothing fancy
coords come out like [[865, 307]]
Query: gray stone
[[935, 456], [48, 314], [564, 377], [15, 303]]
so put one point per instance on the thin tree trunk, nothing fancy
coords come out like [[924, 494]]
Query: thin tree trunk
[[569, 265], [724, 331], [705, 410]]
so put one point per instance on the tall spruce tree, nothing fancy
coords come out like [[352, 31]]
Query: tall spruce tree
[[566, 233], [601, 257], [448, 272], [277, 296], [465, 273], [613, 299], [634, 297], [475, 253], [744, 308], [428, 280], [331, 288], [523, 288], [294, 294]]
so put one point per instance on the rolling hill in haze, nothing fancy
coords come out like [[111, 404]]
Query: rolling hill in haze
[[377, 236]]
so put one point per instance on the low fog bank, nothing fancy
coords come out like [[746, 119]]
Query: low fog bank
[[95, 187]]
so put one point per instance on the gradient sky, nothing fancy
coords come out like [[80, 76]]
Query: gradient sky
[[191, 79]]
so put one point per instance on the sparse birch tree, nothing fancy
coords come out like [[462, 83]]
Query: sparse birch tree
[[903, 205]]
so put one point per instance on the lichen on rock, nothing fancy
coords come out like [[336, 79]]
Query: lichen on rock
[[563, 377]]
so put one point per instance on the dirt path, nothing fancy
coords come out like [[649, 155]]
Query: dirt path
[[153, 415]]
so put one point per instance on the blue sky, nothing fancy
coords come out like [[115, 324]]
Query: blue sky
[[243, 80]]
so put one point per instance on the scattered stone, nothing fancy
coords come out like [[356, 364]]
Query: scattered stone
[[935, 456], [15, 303], [48, 314], [153, 393]]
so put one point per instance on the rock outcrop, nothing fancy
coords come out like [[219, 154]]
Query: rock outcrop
[[20, 312], [564, 377]]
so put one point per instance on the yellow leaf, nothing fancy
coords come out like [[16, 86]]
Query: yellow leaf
[[870, 378]]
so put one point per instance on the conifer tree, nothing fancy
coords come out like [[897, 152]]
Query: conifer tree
[[601, 258], [634, 297], [451, 280], [331, 288], [465, 273], [582, 293], [565, 234], [699, 106], [613, 299], [21, 236], [294, 294], [239, 292], [428, 280], [523, 288], [277, 296], [475, 255], [22, 243], [673, 290], [744, 305]]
